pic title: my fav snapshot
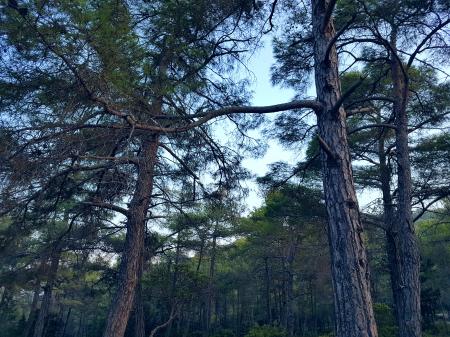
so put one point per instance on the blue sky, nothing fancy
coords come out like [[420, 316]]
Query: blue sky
[[266, 94]]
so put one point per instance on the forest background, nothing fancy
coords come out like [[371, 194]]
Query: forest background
[[128, 142]]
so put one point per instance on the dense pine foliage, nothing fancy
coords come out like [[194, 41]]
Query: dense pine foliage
[[124, 127]]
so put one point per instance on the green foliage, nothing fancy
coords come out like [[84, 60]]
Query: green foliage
[[440, 329], [385, 320], [266, 331]]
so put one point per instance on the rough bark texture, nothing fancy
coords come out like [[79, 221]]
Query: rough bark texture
[[406, 258], [139, 324], [350, 273], [136, 323], [131, 263]]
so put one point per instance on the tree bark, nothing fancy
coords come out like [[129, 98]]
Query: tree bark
[[138, 315], [131, 263], [350, 272], [405, 250], [388, 215]]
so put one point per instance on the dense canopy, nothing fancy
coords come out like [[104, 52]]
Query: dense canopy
[[125, 129]]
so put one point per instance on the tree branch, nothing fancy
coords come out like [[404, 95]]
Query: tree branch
[[370, 126], [107, 206], [204, 117], [173, 314], [346, 95], [326, 148], [272, 12], [425, 39]]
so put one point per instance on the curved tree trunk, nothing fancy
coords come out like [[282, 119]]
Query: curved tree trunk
[[131, 263], [405, 255], [350, 272]]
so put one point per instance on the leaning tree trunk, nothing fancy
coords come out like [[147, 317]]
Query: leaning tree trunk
[[407, 257], [350, 272], [131, 263], [42, 319]]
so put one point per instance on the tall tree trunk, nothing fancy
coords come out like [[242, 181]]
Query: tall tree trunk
[[350, 272], [131, 263], [139, 323], [388, 215], [191, 301], [33, 310], [289, 274], [283, 294], [63, 330], [267, 281], [42, 319], [172, 296], [136, 322], [407, 257], [209, 305]]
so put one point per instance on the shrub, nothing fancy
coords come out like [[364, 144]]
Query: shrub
[[385, 320]]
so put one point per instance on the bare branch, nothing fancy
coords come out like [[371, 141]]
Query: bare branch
[[326, 148], [107, 206], [425, 39], [272, 12], [173, 314], [371, 126]]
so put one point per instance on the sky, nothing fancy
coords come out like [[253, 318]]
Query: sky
[[267, 94]]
